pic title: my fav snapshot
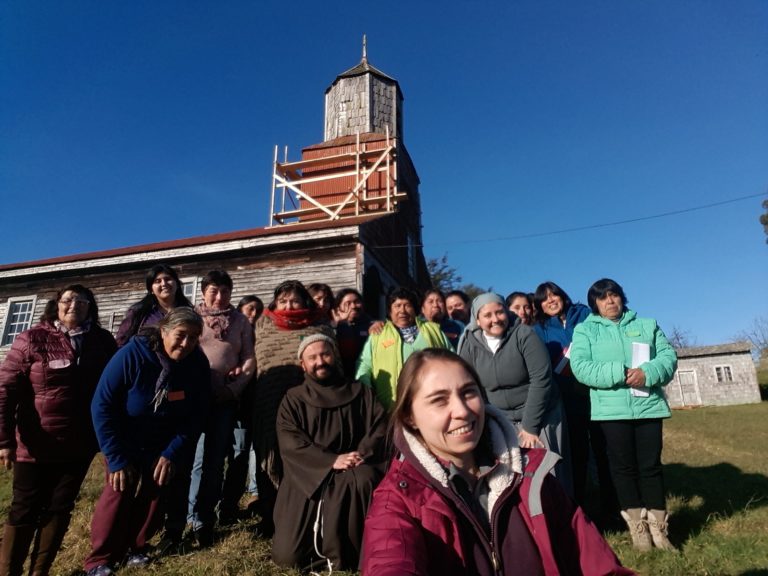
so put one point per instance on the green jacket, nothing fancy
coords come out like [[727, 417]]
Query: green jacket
[[600, 353], [385, 353]]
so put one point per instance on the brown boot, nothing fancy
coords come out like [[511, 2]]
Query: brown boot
[[657, 522], [14, 549], [47, 544], [638, 528]]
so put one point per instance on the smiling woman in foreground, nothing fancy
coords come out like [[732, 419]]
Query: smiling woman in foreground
[[461, 497]]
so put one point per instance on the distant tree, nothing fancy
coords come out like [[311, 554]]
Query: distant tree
[[443, 276], [446, 278], [757, 335], [473, 290], [764, 218], [680, 338]]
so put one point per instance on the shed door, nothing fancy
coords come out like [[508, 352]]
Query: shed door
[[689, 388]]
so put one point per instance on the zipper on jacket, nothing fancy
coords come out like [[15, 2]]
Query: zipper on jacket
[[494, 513]]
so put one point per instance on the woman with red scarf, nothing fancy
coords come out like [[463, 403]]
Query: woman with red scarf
[[290, 317]]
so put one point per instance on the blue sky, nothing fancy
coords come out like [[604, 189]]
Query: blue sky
[[123, 123]]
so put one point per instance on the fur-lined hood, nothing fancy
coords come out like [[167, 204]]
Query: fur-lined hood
[[504, 444]]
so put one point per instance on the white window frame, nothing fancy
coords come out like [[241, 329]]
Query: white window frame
[[723, 373], [193, 282], [6, 325]]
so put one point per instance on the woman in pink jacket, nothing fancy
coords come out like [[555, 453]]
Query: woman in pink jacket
[[462, 498]]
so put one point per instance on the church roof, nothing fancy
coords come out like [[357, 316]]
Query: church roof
[[364, 67]]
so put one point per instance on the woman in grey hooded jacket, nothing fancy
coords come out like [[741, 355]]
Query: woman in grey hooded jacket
[[515, 371]]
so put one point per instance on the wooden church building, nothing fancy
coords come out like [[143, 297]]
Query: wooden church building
[[347, 214]]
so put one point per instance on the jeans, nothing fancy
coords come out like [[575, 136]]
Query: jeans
[[237, 468], [208, 468]]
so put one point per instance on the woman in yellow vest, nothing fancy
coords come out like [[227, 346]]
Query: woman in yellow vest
[[403, 334]]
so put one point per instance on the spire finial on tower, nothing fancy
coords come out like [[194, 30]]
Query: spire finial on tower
[[365, 48]]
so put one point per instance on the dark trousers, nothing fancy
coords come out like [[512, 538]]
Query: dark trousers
[[634, 453], [44, 489], [124, 521], [584, 434]]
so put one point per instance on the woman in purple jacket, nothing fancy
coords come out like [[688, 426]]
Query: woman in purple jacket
[[165, 291], [46, 385], [462, 498]]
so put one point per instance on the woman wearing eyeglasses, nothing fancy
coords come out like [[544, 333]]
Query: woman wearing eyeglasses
[[46, 435]]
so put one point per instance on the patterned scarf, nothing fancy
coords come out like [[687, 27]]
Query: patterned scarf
[[161, 385], [294, 319], [216, 320], [409, 333]]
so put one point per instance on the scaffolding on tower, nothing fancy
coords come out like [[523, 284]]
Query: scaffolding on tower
[[345, 177]]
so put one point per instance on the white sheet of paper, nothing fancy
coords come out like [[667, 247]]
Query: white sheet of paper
[[641, 353]]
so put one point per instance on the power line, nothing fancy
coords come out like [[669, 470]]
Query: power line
[[594, 226]]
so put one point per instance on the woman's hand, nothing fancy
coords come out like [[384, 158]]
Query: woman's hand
[[376, 327], [347, 461], [635, 378], [7, 457], [528, 440], [164, 471], [123, 479]]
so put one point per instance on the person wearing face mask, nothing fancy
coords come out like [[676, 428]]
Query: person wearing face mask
[[148, 410], [433, 310], [291, 316], [46, 436], [164, 292], [351, 328], [514, 371], [457, 305], [331, 435]]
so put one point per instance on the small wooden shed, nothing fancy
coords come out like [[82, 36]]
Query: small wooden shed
[[718, 375]]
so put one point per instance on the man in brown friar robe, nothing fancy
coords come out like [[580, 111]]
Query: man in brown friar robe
[[331, 437]]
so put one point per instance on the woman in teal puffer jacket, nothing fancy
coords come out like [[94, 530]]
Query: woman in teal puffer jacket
[[626, 361]]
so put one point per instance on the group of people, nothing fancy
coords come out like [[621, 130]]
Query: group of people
[[452, 437]]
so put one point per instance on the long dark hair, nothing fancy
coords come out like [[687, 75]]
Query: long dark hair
[[541, 294], [144, 306], [51, 312]]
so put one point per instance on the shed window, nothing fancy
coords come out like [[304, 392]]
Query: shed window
[[723, 374], [18, 318]]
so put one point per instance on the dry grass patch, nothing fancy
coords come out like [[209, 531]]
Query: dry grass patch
[[717, 480]]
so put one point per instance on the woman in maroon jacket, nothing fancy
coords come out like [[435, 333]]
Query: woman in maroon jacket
[[462, 498], [46, 436]]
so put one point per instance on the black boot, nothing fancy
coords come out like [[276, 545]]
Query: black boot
[[47, 543], [14, 549]]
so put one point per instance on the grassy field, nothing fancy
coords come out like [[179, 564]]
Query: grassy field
[[717, 480]]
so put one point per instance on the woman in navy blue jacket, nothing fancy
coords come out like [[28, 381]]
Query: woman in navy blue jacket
[[148, 410], [556, 317]]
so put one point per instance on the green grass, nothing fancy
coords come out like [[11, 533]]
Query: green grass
[[717, 482]]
